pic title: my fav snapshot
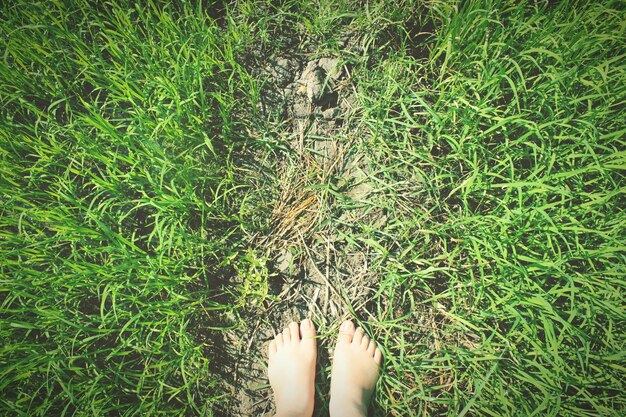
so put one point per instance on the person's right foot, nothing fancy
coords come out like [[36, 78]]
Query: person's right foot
[[291, 369], [356, 365]]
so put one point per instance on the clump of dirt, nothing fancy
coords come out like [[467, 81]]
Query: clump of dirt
[[312, 94], [315, 93]]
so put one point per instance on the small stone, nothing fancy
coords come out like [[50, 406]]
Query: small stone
[[329, 114], [284, 261], [301, 108], [331, 67], [314, 85]]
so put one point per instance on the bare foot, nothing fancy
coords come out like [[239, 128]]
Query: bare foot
[[291, 370], [356, 366]]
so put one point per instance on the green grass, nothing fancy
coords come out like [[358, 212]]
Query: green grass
[[138, 175], [120, 201], [508, 139]]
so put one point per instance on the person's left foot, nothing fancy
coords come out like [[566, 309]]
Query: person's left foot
[[291, 369], [356, 366]]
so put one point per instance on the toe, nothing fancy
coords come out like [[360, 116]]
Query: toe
[[286, 335], [371, 348], [365, 342], [271, 348], [378, 356], [279, 341], [294, 331], [358, 336], [307, 330], [346, 332]]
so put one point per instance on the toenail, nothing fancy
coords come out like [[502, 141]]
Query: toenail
[[306, 324], [345, 325]]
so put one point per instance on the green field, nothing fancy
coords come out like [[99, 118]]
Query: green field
[[165, 208]]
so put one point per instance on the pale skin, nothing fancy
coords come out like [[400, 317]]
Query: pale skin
[[291, 367]]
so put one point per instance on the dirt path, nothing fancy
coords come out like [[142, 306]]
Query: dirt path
[[314, 275]]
